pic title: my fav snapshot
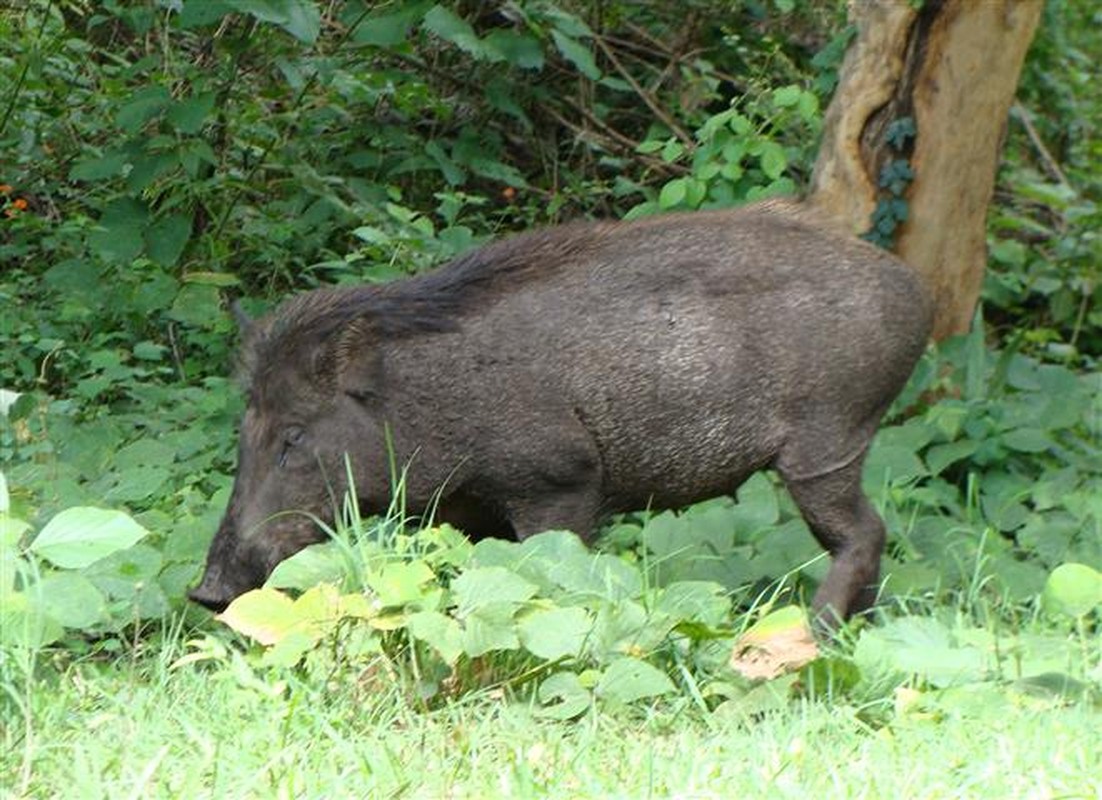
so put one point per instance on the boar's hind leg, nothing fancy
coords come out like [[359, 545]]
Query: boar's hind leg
[[848, 527]]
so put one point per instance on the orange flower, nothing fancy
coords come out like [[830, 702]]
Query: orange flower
[[5, 188], [20, 203]]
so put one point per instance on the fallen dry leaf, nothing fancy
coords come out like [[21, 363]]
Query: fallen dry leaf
[[782, 645]]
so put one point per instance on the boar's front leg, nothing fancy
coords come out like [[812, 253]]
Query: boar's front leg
[[576, 510], [848, 527]]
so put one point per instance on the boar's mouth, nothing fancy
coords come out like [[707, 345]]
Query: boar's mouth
[[204, 596]]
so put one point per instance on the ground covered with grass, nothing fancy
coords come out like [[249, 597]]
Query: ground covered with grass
[[167, 161], [146, 725]]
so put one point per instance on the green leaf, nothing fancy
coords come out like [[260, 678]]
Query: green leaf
[[695, 601], [387, 30], [577, 54], [118, 237], [166, 238], [572, 696], [187, 116], [137, 484], [438, 631], [1027, 440], [300, 18], [555, 633], [452, 28], [145, 104], [490, 628], [941, 456], [266, 615], [108, 165], [71, 599], [481, 587], [787, 96], [22, 625], [1073, 590], [197, 305], [80, 536], [219, 279], [518, 49], [399, 583], [673, 193], [773, 159], [319, 563], [628, 679]]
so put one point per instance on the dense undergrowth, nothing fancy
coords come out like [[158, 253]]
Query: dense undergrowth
[[157, 162]]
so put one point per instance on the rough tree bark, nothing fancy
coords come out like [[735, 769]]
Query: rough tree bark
[[952, 67]]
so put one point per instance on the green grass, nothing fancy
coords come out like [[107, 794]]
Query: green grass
[[138, 726]]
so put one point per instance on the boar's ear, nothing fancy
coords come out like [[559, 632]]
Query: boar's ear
[[355, 360]]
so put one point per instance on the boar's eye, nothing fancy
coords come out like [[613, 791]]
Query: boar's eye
[[291, 438]]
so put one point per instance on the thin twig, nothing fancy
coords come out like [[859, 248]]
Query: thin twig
[[1051, 167], [644, 95], [612, 138]]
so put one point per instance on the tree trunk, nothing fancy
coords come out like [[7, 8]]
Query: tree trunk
[[928, 87]]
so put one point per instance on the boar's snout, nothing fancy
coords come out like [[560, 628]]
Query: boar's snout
[[229, 571], [209, 595]]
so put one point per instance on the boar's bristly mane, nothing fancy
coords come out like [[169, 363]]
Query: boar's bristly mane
[[432, 302]]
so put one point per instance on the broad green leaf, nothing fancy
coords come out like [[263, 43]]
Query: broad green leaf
[[187, 116], [438, 631], [695, 601], [166, 238], [1027, 440], [518, 49], [118, 237], [144, 105], [70, 599], [757, 507], [891, 464], [555, 633], [387, 30], [918, 646], [773, 159], [628, 679], [21, 625], [577, 54], [941, 456], [220, 279], [481, 587], [490, 628], [399, 583], [673, 193], [205, 12], [137, 484], [108, 165], [266, 615], [452, 28], [300, 18], [80, 536], [1073, 590], [566, 688], [197, 305], [289, 650], [786, 96], [319, 563]]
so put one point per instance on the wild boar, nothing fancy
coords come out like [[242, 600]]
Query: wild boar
[[550, 379]]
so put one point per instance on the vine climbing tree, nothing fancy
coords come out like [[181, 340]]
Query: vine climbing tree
[[913, 133]]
